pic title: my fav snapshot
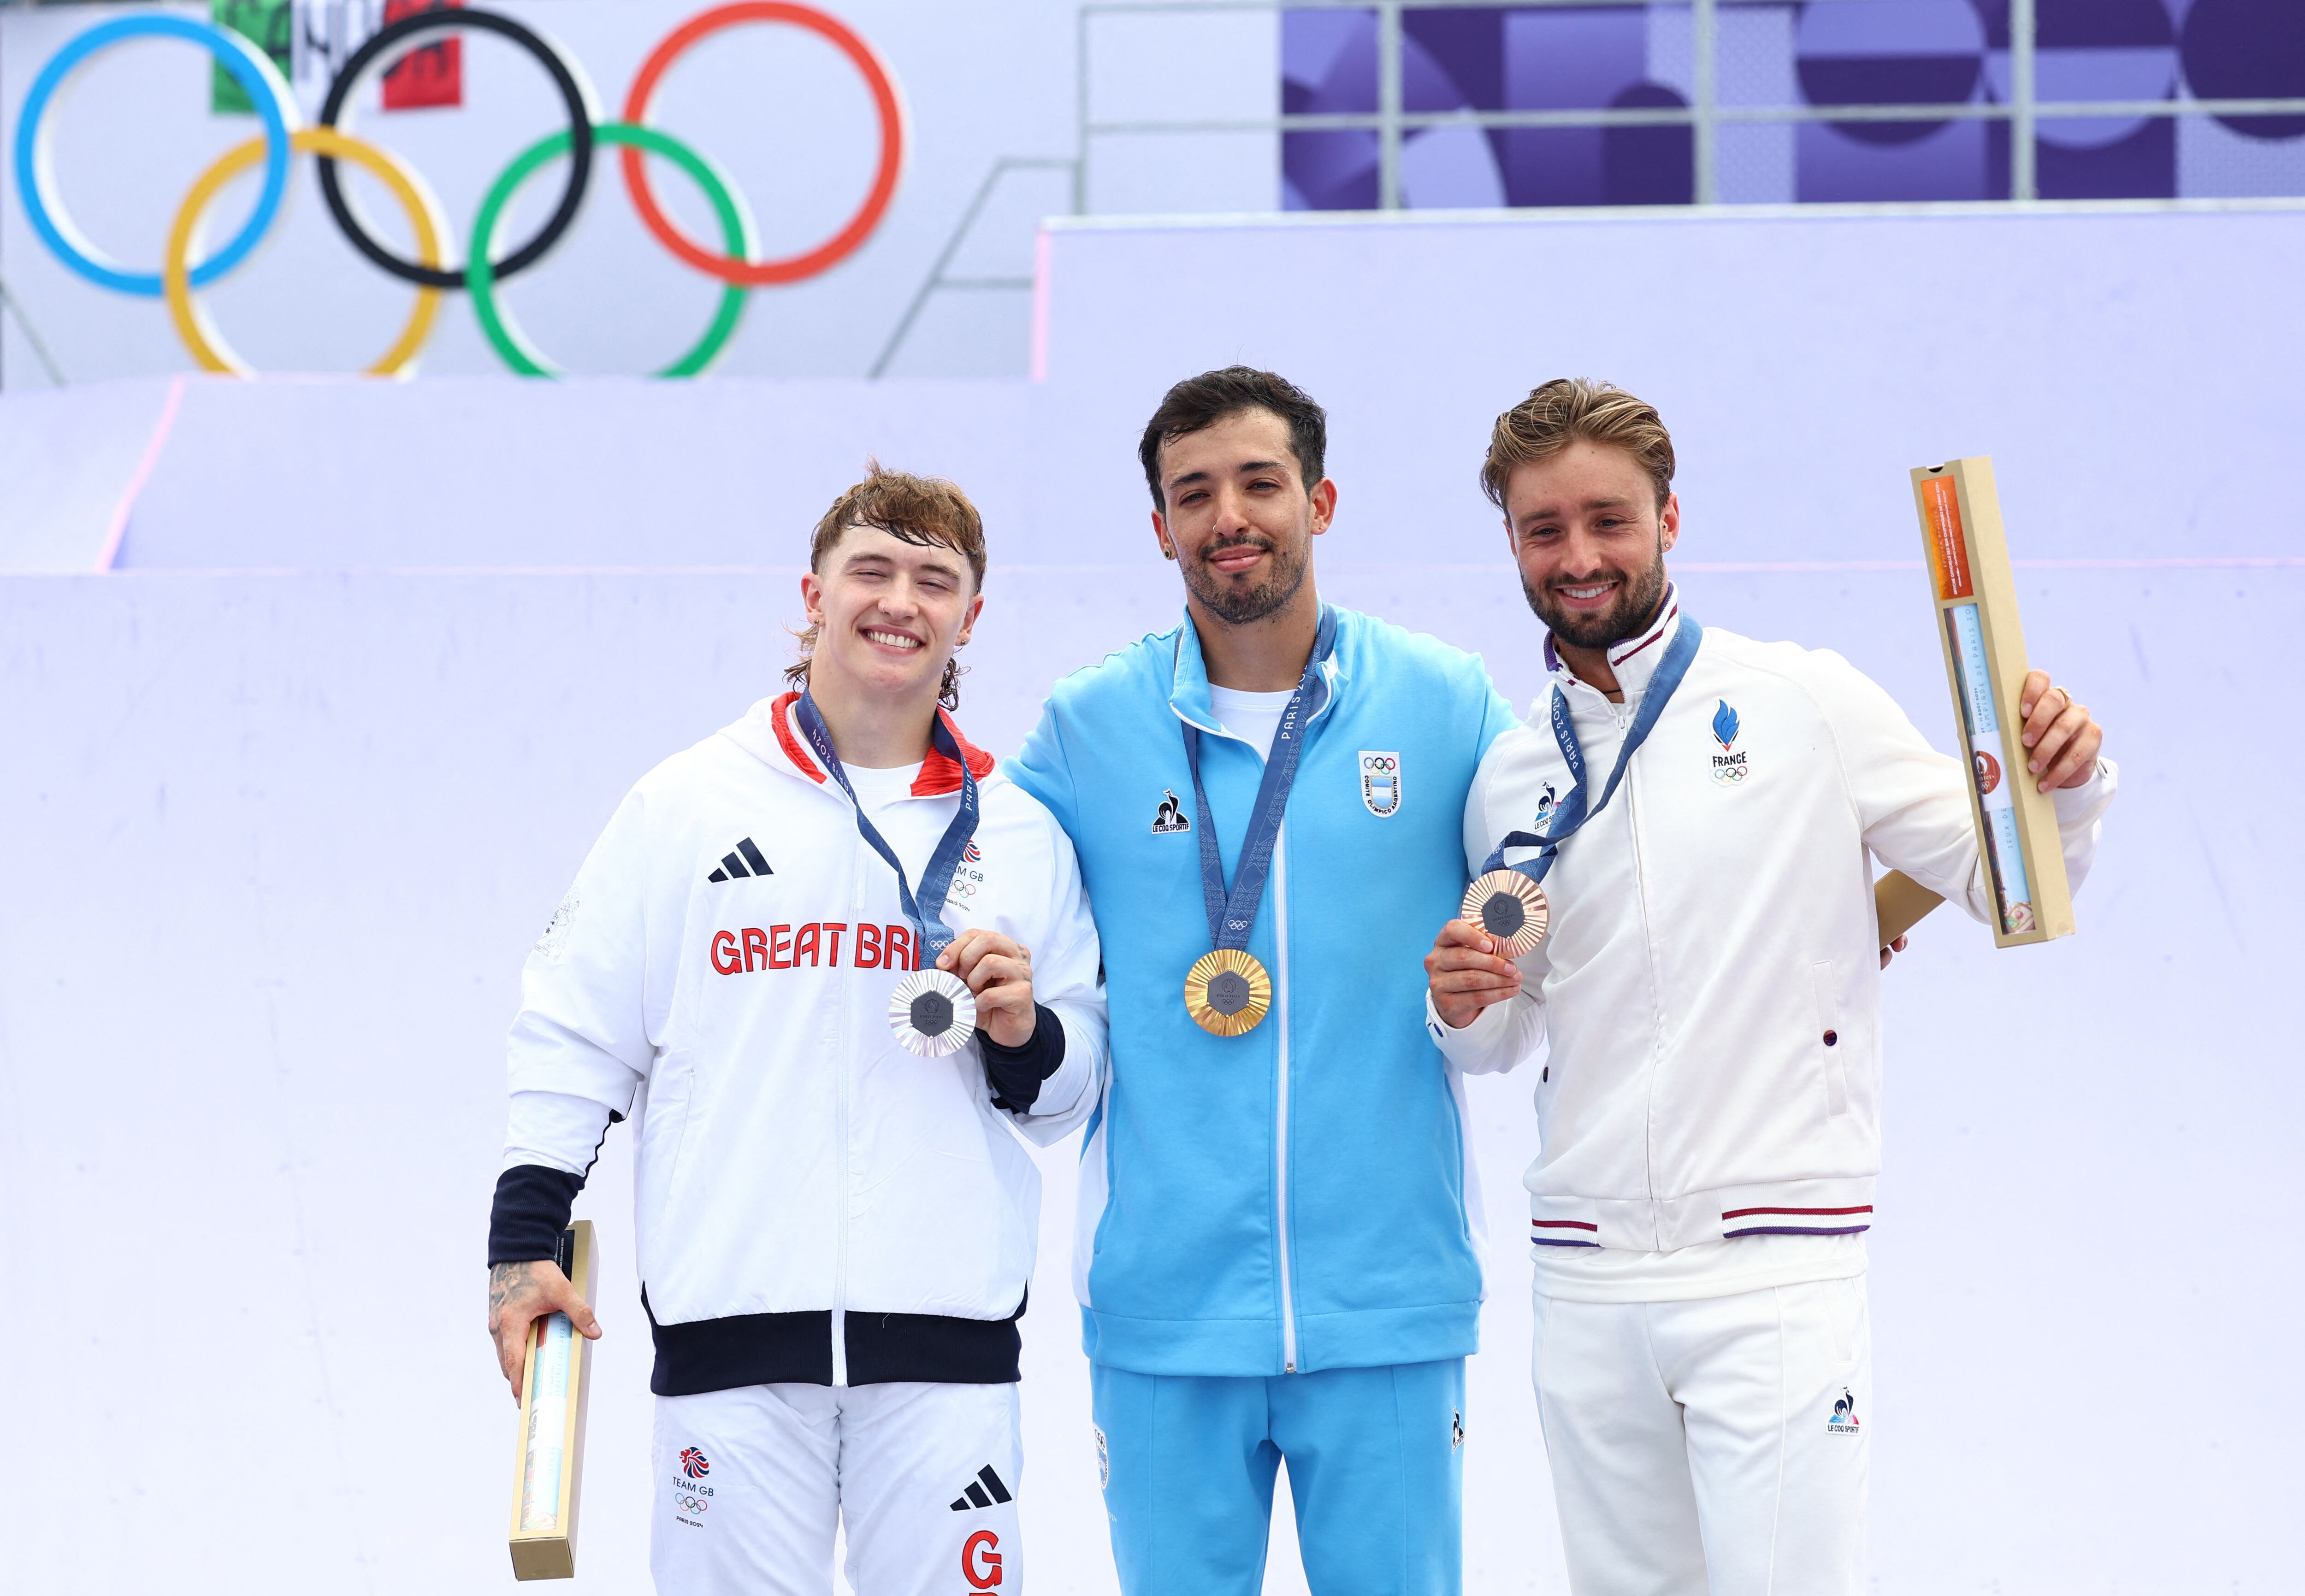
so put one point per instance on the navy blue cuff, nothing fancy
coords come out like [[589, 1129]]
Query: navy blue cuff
[[1016, 1073], [530, 1211]]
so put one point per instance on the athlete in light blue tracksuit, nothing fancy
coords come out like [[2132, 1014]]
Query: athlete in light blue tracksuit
[[1276, 1255]]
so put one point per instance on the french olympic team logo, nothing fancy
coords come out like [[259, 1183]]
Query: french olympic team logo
[[1729, 768], [692, 1462]]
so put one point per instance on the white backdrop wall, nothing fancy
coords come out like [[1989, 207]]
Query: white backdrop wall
[[284, 800], [277, 845], [2134, 373]]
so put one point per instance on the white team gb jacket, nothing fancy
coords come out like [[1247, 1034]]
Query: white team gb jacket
[[721, 973], [1711, 981]]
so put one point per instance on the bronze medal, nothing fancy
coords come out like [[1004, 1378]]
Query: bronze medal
[[1509, 907]]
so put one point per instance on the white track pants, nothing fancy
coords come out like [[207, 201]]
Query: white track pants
[[1715, 1446], [750, 1483]]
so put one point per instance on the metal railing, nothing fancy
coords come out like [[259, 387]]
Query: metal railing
[[13, 307], [938, 281], [1705, 116]]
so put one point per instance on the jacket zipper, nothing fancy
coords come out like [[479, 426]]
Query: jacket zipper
[[1280, 1110], [1656, 995], [1279, 888], [840, 1135]]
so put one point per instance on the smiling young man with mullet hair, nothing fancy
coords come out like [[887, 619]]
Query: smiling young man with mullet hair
[[836, 1221], [1276, 1253], [1708, 1111]]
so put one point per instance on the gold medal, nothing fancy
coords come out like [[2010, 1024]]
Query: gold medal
[[1510, 907], [1228, 992], [932, 1013]]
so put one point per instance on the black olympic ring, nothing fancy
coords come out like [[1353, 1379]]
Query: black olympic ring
[[575, 92]]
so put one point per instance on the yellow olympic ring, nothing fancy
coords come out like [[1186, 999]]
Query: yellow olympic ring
[[424, 216]]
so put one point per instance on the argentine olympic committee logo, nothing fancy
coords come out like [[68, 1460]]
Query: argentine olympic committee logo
[[1381, 782], [735, 262]]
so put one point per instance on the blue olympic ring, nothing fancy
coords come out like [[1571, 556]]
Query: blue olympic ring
[[256, 75]]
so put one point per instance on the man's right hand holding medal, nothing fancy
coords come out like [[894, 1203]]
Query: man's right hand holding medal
[[1467, 973], [999, 971]]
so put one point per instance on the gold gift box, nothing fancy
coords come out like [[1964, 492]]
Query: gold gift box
[[556, 1386]]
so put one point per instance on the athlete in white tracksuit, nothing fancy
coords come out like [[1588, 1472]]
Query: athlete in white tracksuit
[[1709, 990], [835, 1235]]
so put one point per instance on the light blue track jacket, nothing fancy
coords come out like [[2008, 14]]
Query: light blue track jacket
[[1295, 1198]]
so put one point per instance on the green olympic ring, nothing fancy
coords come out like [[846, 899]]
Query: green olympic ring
[[736, 230]]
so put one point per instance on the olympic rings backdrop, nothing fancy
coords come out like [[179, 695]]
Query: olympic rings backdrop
[[478, 259]]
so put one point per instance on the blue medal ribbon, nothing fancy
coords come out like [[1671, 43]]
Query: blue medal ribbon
[[1571, 813], [930, 934], [1232, 913]]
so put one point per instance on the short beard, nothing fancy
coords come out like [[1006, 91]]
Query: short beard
[[1637, 605], [1237, 606]]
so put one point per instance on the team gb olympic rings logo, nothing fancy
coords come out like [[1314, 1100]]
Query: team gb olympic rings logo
[[736, 263]]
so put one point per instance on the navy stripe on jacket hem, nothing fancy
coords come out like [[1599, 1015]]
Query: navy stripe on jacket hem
[[759, 1349]]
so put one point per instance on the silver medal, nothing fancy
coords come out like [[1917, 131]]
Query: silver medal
[[932, 1013]]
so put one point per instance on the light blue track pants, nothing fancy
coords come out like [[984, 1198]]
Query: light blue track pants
[[1376, 1468]]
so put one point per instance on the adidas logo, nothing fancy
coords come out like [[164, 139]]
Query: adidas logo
[[975, 1497], [732, 865]]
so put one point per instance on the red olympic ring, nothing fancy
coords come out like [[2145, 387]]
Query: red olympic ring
[[792, 269]]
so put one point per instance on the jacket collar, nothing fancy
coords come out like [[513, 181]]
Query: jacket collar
[[1634, 659], [772, 732], [1188, 689]]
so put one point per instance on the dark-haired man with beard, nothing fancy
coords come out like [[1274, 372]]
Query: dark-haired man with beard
[[1709, 987], [1276, 1254]]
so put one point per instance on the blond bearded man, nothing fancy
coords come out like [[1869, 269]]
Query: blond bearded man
[[836, 1221], [1709, 990]]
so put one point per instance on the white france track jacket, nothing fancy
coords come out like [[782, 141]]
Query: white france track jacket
[[812, 1201], [1711, 981]]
